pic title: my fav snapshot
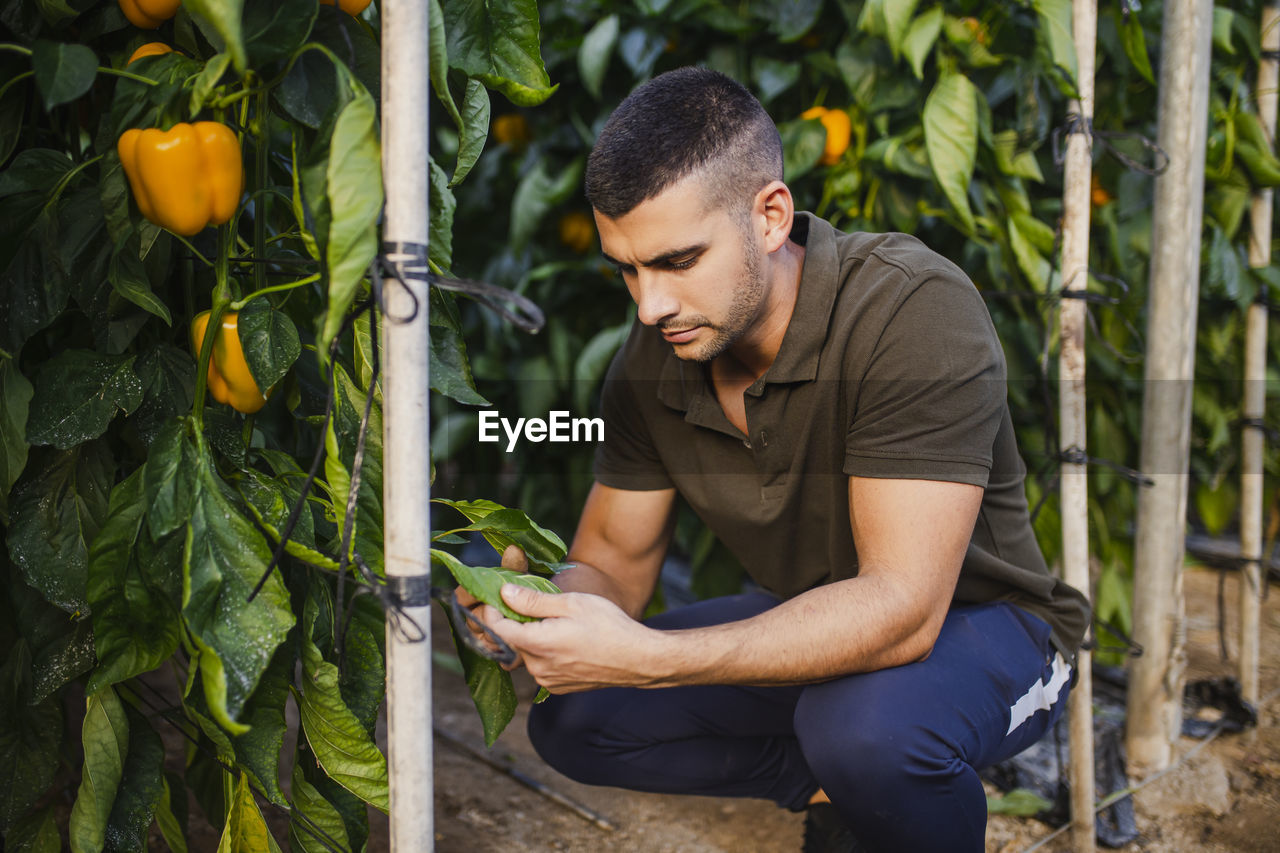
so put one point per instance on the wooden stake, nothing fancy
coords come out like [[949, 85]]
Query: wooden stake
[[1072, 418], [1156, 680], [1255, 366]]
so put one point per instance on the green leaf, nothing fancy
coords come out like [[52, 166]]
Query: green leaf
[[223, 560], [106, 743], [497, 42], [897, 22], [491, 688], [802, 144], [15, 396], [363, 680], [484, 582], [1019, 802], [1033, 265], [56, 12], [920, 37], [258, 750], [30, 737], [442, 207], [168, 383], [313, 815], [355, 202], [1135, 46], [537, 193], [503, 527], [129, 278], [439, 57], [273, 31], [269, 340], [450, 373], [77, 394], [1217, 505], [1011, 161], [772, 77], [141, 787], [951, 138], [341, 744], [207, 80], [593, 362], [172, 480], [791, 19], [246, 830], [35, 833], [1223, 20], [171, 828], [594, 52], [57, 510], [1055, 33], [63, 72], [223, 17], [136, 626], [475, 129]]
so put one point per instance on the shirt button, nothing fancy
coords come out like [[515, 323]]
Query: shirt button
[[764, 438], [746, 443]]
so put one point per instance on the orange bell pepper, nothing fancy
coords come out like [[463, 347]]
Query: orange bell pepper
[[186, 178]]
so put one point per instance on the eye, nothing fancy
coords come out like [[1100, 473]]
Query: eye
[[682, 264]]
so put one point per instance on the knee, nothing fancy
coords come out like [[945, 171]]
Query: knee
[[566, 733], [866, 746]]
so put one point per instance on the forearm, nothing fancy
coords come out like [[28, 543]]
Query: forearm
[[858, 625], [583, 577]]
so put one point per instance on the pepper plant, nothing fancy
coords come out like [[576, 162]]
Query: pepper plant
[[190, 426]]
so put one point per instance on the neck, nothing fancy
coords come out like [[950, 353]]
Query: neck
[[755, 351]]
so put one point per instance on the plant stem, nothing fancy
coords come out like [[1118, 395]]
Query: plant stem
[[16, 48], [184, 241], [221, 299], [275, 288], [16, 79], [128, 75], [260, 204]]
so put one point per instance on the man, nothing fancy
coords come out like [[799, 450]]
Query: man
[[833, 407]]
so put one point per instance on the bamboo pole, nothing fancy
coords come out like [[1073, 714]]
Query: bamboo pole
[[1156, 680], [1255, 367], [406, 439], [1072, 417]]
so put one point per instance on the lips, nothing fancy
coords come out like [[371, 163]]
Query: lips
[[680, 337]]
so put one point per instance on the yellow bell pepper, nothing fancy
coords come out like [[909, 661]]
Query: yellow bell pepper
[[351, 7], [838, 127], [151, 48], [149, 14], [185, 178], [229, 379]]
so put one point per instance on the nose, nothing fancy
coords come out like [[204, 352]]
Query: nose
[[655, 298]]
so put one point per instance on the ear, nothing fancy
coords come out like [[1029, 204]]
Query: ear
[[775, 204]]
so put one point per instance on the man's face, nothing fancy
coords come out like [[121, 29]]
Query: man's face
[[695, 274]]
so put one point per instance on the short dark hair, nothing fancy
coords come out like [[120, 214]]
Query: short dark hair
[[681, 122]]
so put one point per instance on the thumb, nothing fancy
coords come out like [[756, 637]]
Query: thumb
[[513, 559], [531, 602]]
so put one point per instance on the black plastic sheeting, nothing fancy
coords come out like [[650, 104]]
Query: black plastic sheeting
[[1042, 767]]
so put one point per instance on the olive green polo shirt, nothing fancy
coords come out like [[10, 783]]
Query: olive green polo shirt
[[890, 367]]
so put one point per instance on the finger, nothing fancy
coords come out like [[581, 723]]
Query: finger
[[465, 598], [531, 602], [514, 559]]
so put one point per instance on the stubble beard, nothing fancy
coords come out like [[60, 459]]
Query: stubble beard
[[741, 314]]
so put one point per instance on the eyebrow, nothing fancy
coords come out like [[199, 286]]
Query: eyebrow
[[664, 258]]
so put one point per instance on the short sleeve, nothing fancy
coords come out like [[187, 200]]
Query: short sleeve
[[930, 401], [626, 459]]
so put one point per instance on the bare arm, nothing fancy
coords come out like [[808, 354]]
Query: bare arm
[[621, 542], [911, 537]]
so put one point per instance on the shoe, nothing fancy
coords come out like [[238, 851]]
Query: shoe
[[826, 832]]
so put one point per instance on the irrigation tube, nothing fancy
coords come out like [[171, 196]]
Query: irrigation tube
[[406, 489]]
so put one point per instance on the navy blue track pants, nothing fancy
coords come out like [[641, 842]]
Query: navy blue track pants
[[896, 750]]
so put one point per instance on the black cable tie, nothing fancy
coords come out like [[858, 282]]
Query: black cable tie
[[1076, 456], [1088, 296], [1076, 123], [1131, 647], [412, 591], [1272, 55], [462, 617], [1270, 432]]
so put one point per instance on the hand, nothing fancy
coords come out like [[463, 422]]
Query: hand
[[513, 559], [582, 642]]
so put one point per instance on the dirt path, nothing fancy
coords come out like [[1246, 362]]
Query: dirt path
[[1227, 798]]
